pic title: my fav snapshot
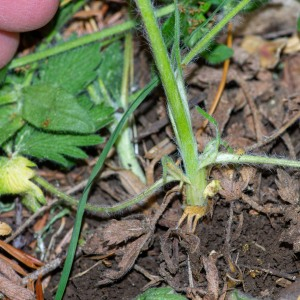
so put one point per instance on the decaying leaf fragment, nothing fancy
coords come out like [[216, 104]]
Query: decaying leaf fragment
[[268, 51], [5, 229], [288, 187], [121, 231], [14, 291], [233, 183]]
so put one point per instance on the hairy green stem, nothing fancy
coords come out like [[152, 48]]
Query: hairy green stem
[[102, 209], [80, 41], [200, 46], [228, 158], [178, 107]]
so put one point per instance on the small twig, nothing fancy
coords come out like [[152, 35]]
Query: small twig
[[228, 228], [191, 280], [256, 119], [154, 279], [227, 255], [275, 134], [76, 188], [267, 209], [30, 220], [87, 270], [52, 265], [272, 272]]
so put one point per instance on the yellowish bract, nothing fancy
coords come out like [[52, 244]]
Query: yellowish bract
[[15, 175]]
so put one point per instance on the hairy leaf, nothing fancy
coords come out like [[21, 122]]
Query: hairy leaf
[[52, 108], [73, 70], [111, 69], [10, 122], [55, 147], [101, 115]]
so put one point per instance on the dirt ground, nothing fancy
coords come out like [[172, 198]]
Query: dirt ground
[[250, 239]]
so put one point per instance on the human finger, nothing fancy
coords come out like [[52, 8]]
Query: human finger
[[26, 15], [9, 42]]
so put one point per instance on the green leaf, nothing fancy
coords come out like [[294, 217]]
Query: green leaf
[[298, 24], [111, 69], [73, 70], [55, 147], [101, 114], [164, 293], [52, 108], [10, 122], [8, 97], [167, 30], [3, 73], [217, 54]]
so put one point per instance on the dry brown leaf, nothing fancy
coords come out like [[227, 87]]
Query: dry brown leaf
[[291, 235], [234, 183], [14, 291], [121, 231], [9, 272], [268, 51], [95, 244], [5, 229], [288, 187], [292, 291], [131, 252], [291, 79], [292, 45]]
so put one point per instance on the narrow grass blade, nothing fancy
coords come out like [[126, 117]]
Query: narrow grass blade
[[82, 203]]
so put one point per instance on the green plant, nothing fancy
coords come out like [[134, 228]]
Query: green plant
[[160, 294], [193, 175], [172, 80]]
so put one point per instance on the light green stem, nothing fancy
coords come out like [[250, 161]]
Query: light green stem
[[227, 158], [200, 46], [80, 41], [141, 198], [124, 144], [178, 107]]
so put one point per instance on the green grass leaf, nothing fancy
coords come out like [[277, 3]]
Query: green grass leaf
[[55, 147], [163, 293], [52, 108], [72, 70], [298, 24], [10, 122], [217, 54]]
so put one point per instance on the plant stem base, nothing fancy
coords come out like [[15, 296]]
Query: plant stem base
[[193, 214]]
